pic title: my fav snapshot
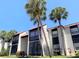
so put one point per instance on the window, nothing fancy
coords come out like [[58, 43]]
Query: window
[[15, 40], [77, 48], [74, 29], [55, 40], [35, 48], [34, 33], [54, 33], [55, 36], [75, 38]]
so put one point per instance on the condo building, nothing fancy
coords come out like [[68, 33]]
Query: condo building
[[61, 40]]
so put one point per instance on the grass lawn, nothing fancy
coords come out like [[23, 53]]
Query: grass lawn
[[48, 57], [14, 56]]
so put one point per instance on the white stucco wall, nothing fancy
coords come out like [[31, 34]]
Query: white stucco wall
[[68, 42], [22, 42], [61, 41], [44, 44], [51, 41]]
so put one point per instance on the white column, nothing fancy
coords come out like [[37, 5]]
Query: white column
[[51, 41], [28, 45], [61, 40], [69, 48], [19, 44], [22, 42]]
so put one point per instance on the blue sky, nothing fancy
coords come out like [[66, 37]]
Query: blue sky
[[13, 16]]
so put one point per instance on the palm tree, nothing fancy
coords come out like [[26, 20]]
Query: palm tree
[[8, 35], [37, 11], [57, 14]]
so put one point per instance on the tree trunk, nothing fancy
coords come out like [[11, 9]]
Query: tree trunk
[[41, 26], [39, 31], [45, 38], [61, 29]]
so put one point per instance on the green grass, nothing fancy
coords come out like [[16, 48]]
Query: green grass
[[47, 57], [14, 56]]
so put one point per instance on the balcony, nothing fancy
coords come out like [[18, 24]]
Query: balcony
[[55, 34], [74, 32], [33, 38]]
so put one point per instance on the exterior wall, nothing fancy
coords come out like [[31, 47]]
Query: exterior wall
[[66, 44], [22, 42], [51, 42], [28, 45], [61, 41], [44, 44], [69, 48]]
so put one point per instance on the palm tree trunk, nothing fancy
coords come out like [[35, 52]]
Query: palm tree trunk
[[41, 26], [60, 23], [61, 29], [39, 33], [45, 38]]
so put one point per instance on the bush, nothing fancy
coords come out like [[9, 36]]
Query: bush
[[4, 52], [20, 54], [77, 53]]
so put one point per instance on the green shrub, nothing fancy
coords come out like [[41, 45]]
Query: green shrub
[[77, 53], [20, 54], [4, 52]]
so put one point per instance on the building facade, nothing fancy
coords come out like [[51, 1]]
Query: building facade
[[61, 40]]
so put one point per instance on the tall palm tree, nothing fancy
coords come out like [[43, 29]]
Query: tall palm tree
[[57, 14], [37, 11]]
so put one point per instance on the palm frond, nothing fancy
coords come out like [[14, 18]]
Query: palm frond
[[58, 13]]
